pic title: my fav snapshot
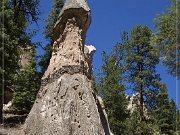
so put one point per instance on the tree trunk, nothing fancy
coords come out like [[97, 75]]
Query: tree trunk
[[142, 106], [17, 10]]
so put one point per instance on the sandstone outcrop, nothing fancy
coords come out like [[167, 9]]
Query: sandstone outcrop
[[66, 103]]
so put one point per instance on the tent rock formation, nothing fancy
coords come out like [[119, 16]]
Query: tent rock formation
[[66, 103]]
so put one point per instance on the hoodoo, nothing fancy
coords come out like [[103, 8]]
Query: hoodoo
[[66, 103]]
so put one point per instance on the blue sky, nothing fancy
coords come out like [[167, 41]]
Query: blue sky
[[109, 20]]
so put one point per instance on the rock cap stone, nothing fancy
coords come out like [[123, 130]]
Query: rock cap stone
[[73, 8]]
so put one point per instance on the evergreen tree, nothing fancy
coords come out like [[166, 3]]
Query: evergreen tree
[[135, 126], [26, 9], [8, 50], [141, 64], [111, 89], [26, 87], [14, 16], [52, 18], [25, 12], [178, 123], [165, 116], [168, 38], [173, 114]]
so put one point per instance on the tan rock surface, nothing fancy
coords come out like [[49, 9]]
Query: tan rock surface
[[65, 107], [66, 103], [68, 49]]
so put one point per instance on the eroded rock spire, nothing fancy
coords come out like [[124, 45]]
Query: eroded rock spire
[[66, 103]]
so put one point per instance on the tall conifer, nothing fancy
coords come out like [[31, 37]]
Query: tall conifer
[[15, 15], [168, 37], [111, 88], [141, 64], [166, 112]]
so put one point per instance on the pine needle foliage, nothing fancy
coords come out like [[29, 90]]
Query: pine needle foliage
[[111, 89], [27, 86], [168, 38]]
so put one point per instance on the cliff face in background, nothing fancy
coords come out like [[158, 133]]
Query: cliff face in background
[[25, 55], [134, 104], [66, 103]]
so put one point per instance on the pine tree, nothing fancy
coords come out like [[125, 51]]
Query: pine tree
[[135, 126], [173, 114], [111, 89], [8, 50], [141, 60], [166, 114], [51, 20], [14, 16], [26, 87], [168, 38], [25, 9], [178, 122], [53, 17]]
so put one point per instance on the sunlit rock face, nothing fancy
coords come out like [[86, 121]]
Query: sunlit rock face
[[66, 103], [25, 55], [134, 104], [67, 49]]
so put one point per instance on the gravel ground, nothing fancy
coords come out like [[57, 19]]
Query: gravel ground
[[13, 124], [17, 130]]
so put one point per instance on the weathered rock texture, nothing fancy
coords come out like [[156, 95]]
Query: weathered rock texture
[[25, 55], [134, 104], [66, 103]]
